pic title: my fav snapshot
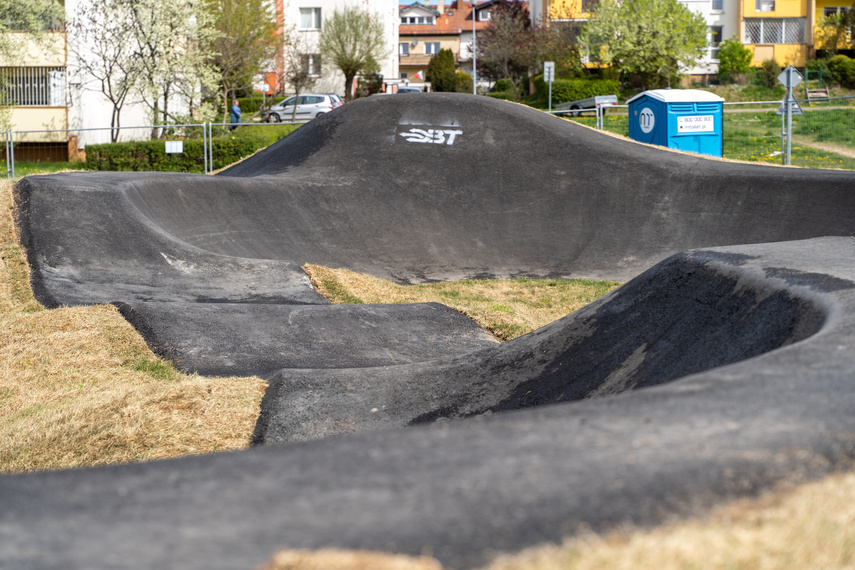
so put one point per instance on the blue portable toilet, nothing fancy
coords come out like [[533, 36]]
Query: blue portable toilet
[[683, 119]]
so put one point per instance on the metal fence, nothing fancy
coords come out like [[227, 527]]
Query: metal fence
[[180, 147], [822, 137]]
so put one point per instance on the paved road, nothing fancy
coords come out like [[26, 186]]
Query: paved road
[[712, 374]]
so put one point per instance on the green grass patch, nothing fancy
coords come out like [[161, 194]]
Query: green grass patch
[[157, 369]]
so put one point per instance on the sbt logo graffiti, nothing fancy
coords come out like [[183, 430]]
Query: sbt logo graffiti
[[432, 136]]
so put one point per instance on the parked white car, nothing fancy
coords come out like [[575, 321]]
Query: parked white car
[[309, 106]]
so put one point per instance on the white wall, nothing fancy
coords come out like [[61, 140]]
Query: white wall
[[726, 18], [332, 80], [88, 107]]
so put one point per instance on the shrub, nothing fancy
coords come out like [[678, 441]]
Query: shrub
[[503, 86], [767, 74], [504, 95], [151, 155], [564, 90], [842, 70], [733, 59], [463, 82]]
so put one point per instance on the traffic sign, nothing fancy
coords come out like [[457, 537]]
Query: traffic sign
[[549, 71], [790, 77]]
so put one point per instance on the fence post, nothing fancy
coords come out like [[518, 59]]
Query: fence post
[[10, 158], [205, 147], [211, 145]]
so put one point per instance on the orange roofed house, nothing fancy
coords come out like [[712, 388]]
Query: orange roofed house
[[425, 29]]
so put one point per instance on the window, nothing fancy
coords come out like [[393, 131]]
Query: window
[[483, 16], [431, 48], [311, 64], [718, 5], [310, 18], [404, 50], [404, 75], [33, 86], [774, 30], [416, 20], [765, 6], [714, 34], [831, 10]]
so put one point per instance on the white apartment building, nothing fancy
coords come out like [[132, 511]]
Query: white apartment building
[[308, 18], [722, 17]]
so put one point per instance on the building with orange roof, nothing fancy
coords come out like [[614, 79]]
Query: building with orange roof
[[424, 29]]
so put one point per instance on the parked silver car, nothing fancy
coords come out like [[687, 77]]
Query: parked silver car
[[309, 106]]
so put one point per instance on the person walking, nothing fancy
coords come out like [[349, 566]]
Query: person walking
[[235, 114]]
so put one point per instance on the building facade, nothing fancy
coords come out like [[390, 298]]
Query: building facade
[[306, 18]]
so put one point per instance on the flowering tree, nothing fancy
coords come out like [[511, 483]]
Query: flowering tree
[[170, 38], [98, 40]]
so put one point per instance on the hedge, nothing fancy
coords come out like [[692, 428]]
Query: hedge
[[151, 155], [564, 90]]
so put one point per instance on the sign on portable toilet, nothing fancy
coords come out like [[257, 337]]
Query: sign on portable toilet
[[684, 119]]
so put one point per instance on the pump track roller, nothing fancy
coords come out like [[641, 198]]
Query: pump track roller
[[723, 366]]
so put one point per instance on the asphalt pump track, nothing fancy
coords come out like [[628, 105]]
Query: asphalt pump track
[[722, 367]]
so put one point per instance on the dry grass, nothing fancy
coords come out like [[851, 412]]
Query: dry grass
[[331, 559], [507, 308], [79, 386], [811, 526]]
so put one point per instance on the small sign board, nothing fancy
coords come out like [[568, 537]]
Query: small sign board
[[549, 71], [795, 108], [790, 77], [696, 124], [174, 147]]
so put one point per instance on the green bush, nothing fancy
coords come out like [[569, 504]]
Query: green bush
[[767, 74], [734, 59], [503, 86], [503, 95], [842, 71], [564, 90], [463, 82], [151, 155]]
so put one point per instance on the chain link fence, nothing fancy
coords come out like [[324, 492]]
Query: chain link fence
[[823, 136], [201, 148]]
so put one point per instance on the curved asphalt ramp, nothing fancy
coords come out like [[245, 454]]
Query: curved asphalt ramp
[[742, 351]]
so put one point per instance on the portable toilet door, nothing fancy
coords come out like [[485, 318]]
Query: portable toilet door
[[683, 119]]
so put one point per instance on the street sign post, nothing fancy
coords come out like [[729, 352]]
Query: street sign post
[[549, 77], [789, 78]]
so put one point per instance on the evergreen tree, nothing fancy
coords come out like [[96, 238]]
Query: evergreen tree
[[440, 72]]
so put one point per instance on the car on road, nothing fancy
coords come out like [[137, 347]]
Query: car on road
[[308, 106], [409, 90]]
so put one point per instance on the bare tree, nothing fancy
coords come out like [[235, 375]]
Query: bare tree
[[301, 67], [99, 42], [353, 40]]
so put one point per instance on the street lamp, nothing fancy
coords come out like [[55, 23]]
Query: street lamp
[[474, 49]]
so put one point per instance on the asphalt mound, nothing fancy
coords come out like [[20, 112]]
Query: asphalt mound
[[641, 335], [740, 351], [469, 489]]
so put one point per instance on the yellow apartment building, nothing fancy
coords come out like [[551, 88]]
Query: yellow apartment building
[[34, 87]]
